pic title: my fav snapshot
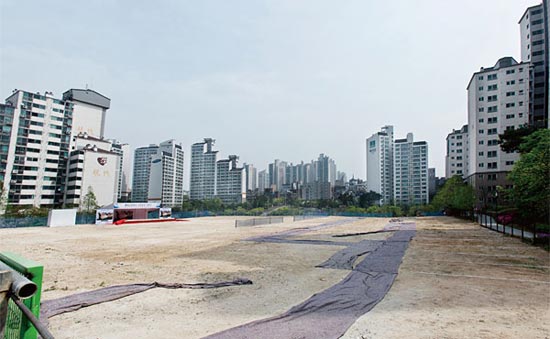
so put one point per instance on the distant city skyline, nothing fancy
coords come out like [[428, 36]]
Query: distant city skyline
[[268, 80]]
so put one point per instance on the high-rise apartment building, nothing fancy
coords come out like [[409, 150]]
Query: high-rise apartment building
[[251, 177], [277, 174], [35, 148], [36, 141], [166, 174], [498, 100], [380, 164], [142, 170], [203, 170], [410, 171], [125, 169], [534, 49], [230, 181], [263, 181], [456, 159]]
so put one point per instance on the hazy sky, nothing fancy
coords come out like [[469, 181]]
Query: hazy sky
[[285, 79]]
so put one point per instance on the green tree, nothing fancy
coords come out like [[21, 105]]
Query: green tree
[[3, 198], [531, 177], [89, 204], [511, 139], [456, 196], [367, 199]]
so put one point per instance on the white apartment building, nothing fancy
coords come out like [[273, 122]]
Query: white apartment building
[[498, 100], [166, 175], [125, 169], [142, 170], [89, 112], [230, 181], [456, 159], [263, 181], [534, 49], [34, 148], [251, 177], [380, 164], [203, 170], [92, 166], [410, 171]]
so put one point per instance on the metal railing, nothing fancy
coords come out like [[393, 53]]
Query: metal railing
[[18, 324], [259, 221]]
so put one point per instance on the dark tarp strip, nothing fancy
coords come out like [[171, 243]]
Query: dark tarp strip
[[360, 233], [330, 313], [53, 307], [345, 258], [283, 240]]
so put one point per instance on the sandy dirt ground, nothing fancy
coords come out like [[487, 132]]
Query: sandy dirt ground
[[457, 280]]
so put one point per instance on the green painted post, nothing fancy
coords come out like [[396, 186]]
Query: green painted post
[[34, 272]]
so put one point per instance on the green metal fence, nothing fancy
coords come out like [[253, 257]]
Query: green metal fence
[[17, 325]]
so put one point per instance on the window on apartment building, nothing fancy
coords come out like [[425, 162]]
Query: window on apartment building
[[459, 144], [510, 104], [491, 77], [492, 120], [509, 162], [481, 98], [480, 120], [492, 98], [520, 115], [509, 94], [537, 53], [492, 131], [492, 87], [458, 151], [510, 116], [511, 71], [538, 42], [511, 82], [459, 158], [510, 128], [480, 164], [492, 142], [481, 131], [492, 165], [491, 154], [480, 77], [521, 103], [538, 31], [480, 142], [481, 109], [480, 88], [492, 109], [480, 153], [521, 71], [520, 92]]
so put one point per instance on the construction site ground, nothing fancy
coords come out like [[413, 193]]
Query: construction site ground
[[457, 279]]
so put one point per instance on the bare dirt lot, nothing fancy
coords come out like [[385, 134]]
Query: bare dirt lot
[[457, 280]]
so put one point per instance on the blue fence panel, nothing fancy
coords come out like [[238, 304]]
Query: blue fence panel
[[191, 214], [23, 222], [84, 219]]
